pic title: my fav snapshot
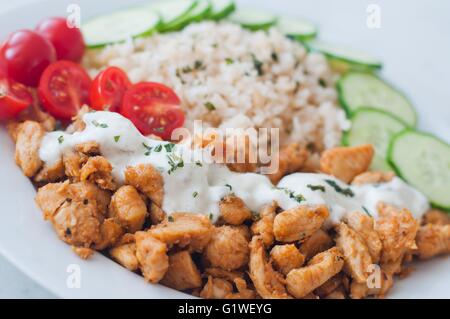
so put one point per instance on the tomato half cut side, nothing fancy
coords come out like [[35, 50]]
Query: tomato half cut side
[[153, 108], [64, 89], [14, 98], [108, 88]]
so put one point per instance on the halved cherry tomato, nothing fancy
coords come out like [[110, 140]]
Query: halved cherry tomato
[[68, 42], [25, 55], [108, 88], [153, 108], [64, 89], [14, 98]]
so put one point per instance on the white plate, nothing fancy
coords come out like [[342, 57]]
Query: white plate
[[32, 245]]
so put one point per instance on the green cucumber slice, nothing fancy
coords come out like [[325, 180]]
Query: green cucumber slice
[[253, 19], [297, 29], [200, 12], [174, 13], [345, 59], [423, 161], [360, 90], [372, 126], [119, 26], [221, 9]]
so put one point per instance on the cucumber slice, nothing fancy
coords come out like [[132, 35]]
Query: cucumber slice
[[119, 26], [423, 160], [377, 128], [345, 59], [174, 13], [221, 9], [253, 19], [359, 89], [200, 12], [297, 29]]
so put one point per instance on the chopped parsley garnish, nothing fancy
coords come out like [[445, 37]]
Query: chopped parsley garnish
[[194, 194], [210, 216], [229, 186], [159, 129], [169, 147], [366, 211], [175, 162], [198, 164], [198, 64], [148, 148], [229, 61], [274, 56], [210, 106], [316, 187], [116, 138], [97, 124], [170, 219], [322, 83], [158, 148], [297, 197], [215, 45], [61, 139], [344, 191], [258, 65]]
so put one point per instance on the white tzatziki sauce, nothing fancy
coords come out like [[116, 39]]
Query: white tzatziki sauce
[[192, 184]]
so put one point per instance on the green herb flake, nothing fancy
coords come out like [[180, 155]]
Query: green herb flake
[[229, 61], [61, 139], [229, 186], [148, 148], [258, 65], [186, 69], [97, 124], [198, 164], [344, 191], [366, 211], [170, 219], [116, 138], [274, 56], [194, 194], [316, 187], [297, 197], [198, 65], [210, 106], [322, 83], [211, 216], [169, 147], [175, 162], [158, 148], [159, 129]]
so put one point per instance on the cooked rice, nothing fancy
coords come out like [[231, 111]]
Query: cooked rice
[[215, 65]]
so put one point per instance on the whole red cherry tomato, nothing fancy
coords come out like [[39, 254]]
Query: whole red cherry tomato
[[25, 55], [68, 42]]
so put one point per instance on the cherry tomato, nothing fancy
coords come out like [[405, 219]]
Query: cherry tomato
[[25, 55], [68, 42], [153, 108], [64, 89], [108, 88], [14, 98]]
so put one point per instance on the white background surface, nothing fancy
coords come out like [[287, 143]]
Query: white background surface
[[413, 41]]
